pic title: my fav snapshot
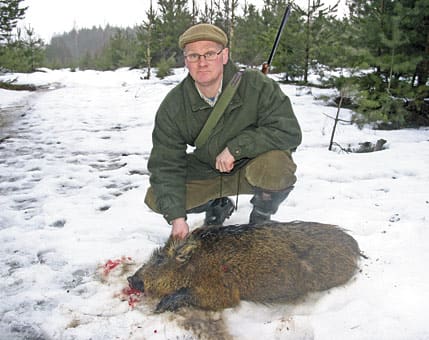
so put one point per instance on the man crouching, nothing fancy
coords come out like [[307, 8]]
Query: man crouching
[[247, 152]]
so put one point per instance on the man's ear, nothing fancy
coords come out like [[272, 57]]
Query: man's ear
[[225, 55]]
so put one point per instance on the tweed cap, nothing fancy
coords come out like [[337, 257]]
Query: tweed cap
[[203, 32]]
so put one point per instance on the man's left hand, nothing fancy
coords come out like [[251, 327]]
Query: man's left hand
[[225, 161]]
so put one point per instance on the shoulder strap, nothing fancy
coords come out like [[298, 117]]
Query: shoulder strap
[[219, 109]]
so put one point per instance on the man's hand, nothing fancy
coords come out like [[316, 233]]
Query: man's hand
[[225, 161], [180, 228]]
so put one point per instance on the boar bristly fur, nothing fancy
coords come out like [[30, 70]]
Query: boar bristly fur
[[216, 267]]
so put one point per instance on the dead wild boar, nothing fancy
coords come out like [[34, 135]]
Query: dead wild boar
[[216, 267]]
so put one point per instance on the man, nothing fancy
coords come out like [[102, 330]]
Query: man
[[247, 152]]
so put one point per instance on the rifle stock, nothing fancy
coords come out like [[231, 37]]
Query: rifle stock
[[266, 66]]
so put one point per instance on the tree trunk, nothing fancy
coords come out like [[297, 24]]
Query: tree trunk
[[422, 68], [336, 120], [307, 44]]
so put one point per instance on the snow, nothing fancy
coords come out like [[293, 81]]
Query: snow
[[73, 178]]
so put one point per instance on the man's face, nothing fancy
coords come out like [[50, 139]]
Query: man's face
[[205, 72]]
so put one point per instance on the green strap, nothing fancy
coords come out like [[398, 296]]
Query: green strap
[[218, 109]]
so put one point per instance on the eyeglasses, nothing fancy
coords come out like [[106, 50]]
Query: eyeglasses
[[209, 56]]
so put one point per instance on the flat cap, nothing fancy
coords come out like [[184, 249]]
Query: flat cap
[[203, 32]]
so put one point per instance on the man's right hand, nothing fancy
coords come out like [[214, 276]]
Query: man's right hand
[[225, 161], [180, 228]]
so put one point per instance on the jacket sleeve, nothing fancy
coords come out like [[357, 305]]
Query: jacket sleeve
[[276, 126], [167, 166]]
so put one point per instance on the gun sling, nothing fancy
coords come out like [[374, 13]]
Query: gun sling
[[218, 109]]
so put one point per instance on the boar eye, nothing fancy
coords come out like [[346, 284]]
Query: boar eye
[[182, 258], [158, 260]]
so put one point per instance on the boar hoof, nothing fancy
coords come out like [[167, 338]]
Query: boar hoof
[[174, 301]]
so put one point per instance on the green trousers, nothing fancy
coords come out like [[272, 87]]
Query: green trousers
[[270, 171]]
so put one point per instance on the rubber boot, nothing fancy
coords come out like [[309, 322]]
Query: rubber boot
[[217, 211], [265, 203]]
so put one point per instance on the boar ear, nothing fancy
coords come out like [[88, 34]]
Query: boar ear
[[171, 245], [185, 250]]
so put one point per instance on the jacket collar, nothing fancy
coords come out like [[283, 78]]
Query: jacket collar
[[197, 103]]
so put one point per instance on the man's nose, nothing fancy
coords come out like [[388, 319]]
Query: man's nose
[[202, 59]]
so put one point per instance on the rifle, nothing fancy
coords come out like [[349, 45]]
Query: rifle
[[267, 64]]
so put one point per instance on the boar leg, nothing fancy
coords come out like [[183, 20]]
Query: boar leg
[[173, 302]]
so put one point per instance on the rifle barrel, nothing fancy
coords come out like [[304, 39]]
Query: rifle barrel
[[286, 14]]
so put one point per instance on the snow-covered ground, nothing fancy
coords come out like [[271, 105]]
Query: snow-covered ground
[[73, 178]]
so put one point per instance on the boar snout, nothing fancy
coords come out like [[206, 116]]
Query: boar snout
[[136, 283]]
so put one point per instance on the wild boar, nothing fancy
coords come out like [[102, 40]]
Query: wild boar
[[216, 267]]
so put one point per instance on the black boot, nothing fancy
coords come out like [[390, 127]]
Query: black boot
[[220, 209], [265, 203], [217, 211]]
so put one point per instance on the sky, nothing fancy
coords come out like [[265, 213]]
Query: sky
[[50, 17]]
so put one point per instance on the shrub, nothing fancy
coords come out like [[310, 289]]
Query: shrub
[[165, 67], [380, 109]]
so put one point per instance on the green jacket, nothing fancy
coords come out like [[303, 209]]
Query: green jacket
[[258, 119]]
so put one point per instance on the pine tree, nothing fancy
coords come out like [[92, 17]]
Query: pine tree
[[58, 54], [246, 41], [145, 34], [372, 18], [225, 17], [194, 12], [396, 25], [289, 57], [10, 14], [23, 54], [395, 35], [33, 49], [415, 25], [208, 14], [337, 49], [315, 10], [174, 19], [121, 49], [232, 22], [392, 62]]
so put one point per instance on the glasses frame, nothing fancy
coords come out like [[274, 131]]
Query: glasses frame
[[203, 55]]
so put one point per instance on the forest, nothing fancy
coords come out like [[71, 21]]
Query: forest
[[379, 51]]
